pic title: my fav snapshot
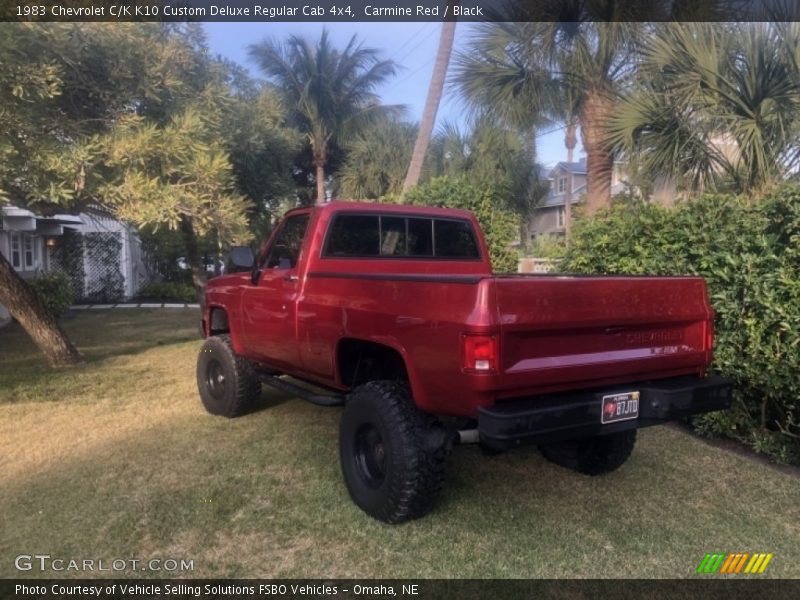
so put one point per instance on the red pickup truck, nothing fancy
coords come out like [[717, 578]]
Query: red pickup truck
[[393, 312]]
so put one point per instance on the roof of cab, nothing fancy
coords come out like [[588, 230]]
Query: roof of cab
[[349, 205]]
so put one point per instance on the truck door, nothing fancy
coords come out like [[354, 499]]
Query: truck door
[[270, 306]]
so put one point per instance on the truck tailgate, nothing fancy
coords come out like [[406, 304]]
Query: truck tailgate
[[561, 333]]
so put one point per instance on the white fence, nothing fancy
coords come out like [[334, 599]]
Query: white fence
[[537, 265]]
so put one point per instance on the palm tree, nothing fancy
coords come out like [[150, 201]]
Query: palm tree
[[497, 79], [431, 105], [570, 71], [330, 93], [491, 153], [570, 141], [717, 105], [500, 74], [377, 160]]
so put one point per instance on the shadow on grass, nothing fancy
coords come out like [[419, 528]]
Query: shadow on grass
[[108, 333], [121, 332], [270, 398], [179, 486], [175, 486], [100, 337]]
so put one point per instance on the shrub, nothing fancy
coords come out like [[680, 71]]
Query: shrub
[[54, 292], [552, 247], [749, 254], [169, 290], [485, 201]]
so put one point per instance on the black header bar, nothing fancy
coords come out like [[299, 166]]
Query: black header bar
[[708, 587], [366, 11]]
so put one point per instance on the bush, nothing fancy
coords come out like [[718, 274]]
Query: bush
[[499, 225], [749, 254], [54, 292], [169, 290], [552, 247]]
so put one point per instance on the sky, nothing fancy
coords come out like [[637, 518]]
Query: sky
[[412, 45]]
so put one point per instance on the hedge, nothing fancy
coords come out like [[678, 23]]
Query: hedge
[[54, 291], [169, 290], [749, 254]]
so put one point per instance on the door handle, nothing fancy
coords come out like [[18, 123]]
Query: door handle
[[290, 278]]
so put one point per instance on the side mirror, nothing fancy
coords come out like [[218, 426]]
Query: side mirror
[[241, 259]]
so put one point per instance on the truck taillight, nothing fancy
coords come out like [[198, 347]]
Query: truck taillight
[[710, 334], [480, 353]]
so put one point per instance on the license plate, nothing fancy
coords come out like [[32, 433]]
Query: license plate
[[620, 407]]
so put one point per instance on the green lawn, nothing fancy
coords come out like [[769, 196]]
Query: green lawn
[[118, 459]]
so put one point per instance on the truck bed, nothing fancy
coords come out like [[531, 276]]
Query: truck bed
[[555, 333]]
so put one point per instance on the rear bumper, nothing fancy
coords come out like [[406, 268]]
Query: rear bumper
[[564, 417]]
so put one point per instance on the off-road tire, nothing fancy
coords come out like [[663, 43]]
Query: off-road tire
[[592, 456], [402, 478], [227, 383]]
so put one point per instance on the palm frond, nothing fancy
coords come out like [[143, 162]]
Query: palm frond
[[716, 103], [331, 93]]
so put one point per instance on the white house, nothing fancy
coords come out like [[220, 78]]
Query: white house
[[101, 256], [24, 238]]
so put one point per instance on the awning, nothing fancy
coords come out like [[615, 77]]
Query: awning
[[20, 219]]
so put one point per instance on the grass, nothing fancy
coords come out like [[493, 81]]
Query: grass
[[118, 459]]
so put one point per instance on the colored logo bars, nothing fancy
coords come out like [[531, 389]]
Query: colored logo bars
[[734, 563]]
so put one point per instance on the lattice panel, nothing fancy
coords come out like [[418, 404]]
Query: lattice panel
[[104, 279], [67, 257], [92, 261]]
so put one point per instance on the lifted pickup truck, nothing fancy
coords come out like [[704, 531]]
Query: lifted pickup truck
[[393, 312]]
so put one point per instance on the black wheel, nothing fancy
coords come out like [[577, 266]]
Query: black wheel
[[592, 456], [227, 383], [392, 454]]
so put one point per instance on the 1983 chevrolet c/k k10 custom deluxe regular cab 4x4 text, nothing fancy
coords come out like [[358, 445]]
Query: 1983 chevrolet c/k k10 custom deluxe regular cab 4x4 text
[[393, 312]]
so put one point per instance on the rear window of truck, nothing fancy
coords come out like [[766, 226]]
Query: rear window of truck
[[393, 236]]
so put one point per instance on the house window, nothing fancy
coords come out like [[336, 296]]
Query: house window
[[27, 243], [16, 251], [562, 185], [23, 251], [560, 217]]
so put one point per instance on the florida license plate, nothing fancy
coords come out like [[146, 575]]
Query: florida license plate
[[620, 407]]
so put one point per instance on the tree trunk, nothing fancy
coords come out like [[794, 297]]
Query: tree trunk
[[524, 234], [431, 106], [527, 208], [320, 177], [194, 259], [596, 112], [23, 304], [570, 140]]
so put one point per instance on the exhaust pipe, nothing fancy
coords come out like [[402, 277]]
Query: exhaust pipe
[[468, 436]]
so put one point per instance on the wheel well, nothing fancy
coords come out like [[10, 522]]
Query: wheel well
[[219, 322], [360, 361]]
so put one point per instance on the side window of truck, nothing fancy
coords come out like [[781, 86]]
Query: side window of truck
[[285, 249], [454, 239], [392, 236], [353, 235]]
